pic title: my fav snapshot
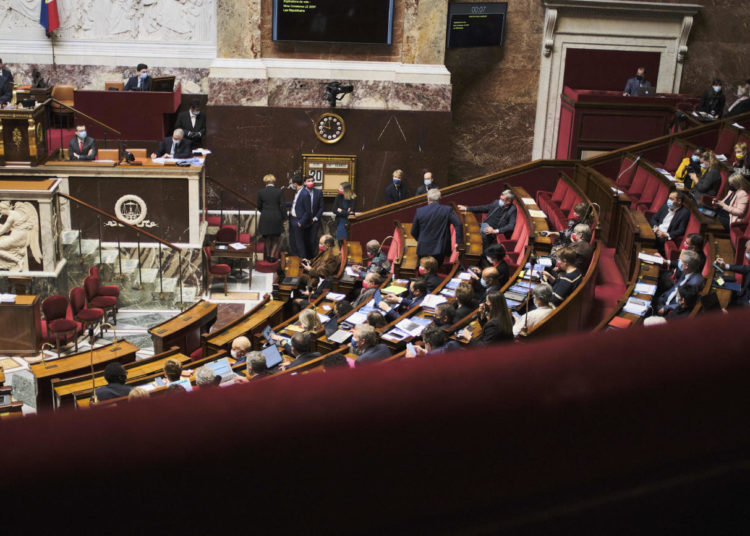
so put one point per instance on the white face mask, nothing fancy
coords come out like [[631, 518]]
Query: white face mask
[[235, 354], [747, 255]]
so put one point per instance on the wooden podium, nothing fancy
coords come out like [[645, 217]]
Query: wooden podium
[[23, 137]]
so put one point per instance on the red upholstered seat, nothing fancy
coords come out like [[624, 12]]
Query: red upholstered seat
[[266, 267], [726, 141], [676, 153], [672, 247], [87, 316], [59, 326], [708, 199], [219, 270], [626, 174], [196, 354], [104, 290], [107, 303], [62, 324], [227, 233], [639, 184]]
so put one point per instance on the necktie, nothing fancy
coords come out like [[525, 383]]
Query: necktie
[[80, 145], [174, 144]]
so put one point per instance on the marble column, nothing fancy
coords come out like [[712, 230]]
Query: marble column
[[238, 29]]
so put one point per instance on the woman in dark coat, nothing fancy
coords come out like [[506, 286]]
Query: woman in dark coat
[[271, 224], [343, 207]]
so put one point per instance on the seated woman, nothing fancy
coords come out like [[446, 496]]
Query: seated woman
[[495, 319], [710, 182], [733, 207], [428, 267], [689, 165], [308, 321], [543, 306], [464, 303], [741, 162], [568, 277]]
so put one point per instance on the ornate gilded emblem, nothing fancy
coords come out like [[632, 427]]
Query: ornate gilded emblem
[[17, 138], [39, 133]]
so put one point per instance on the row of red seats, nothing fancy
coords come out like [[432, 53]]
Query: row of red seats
[[558, 205]]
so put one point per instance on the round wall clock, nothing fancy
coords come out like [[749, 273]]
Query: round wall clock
[[330, 127]]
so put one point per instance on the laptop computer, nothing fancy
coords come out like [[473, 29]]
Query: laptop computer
[[222, 368], [331, 326], [273, 357]]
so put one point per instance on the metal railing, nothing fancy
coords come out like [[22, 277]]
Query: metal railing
[[222, 189]]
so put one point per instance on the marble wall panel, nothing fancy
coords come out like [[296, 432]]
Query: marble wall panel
[[94, 76], [237, 91], [238, 29]]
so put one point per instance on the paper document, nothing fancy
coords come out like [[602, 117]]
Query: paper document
[[237, 246], [340, 337], [667, 174], [737, 125], [544, 261], [448, 292], [335, 296], [356, 318], [323, 318], [413, 326], [528, 201], [433, 300], [350, 270], [645, 288], [7, 298], [721, 158], [635, 306], [393, 289], [396, 335], [537, 214], [465, 276], [650, 259]]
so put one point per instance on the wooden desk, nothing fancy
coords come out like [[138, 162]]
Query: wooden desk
[[227, 252], [542, 244], [22, 135], [74, 365], [291, 267], [472, 254], [185, 329], [67, 391], [21, 326], [138, 115], [267, 312]]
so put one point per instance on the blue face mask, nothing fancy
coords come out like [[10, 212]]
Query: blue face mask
[[695, 158], [670, 203], [81, 135], [717, 89], [501, 203], [353, 346], [396, 181], [681, 265], [704, 165], [143, 76], [427, 183]]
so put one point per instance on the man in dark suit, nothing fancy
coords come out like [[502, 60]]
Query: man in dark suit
[[301, 343], [671, 220], [635, 85], [396, 191], [6, 84], [500, 219], [81, 147], [309, 211], [743, 296], [365, 343], [116, 376], [691, 275], [193, 123], [141, 81], [174, 146], [428, 184], [431, 228], [490, 282]]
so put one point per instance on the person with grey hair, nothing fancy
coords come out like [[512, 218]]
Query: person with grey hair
[[256, 365], [431, 228], [378, 259], [690, 267], [365, 343], [743, 296], [206, 377], [500, 219], [542, 296], [174, 146], [580, 240]]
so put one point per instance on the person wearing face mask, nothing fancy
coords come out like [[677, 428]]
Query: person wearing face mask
[[743, 296], [495, 319], [568, 275], [689, 266], [733, 207], [396, 191], [141, 81], [494, 256], [428, 184], [370, 284], [670, 221], [431, 228], [378, 259], [445, 317], [741, 162], [690, 164], [240, 348], [81, 147], [500, 219], [174, 146], [543, 306], [427, 270], [343, 207], [710, 182], [365, 343], [742, 104], [671, 273], [488, 283], [193, 122], [687, 297], [580, 241], [300, 346], [309, 211], [296, 211], [417, 293], [713, 100], [328, 260], [635, 86]]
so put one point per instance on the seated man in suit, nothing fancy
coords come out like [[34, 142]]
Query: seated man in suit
[[428, 183], [116, 376], [193, 122], [327, 262], [82, 147], [365, 344], [174, 146], [141, 81], [445, 317], [300, 346], [635, 85], [500, 220], [743, 296], [489, 282], [690, 265], [435, 342], [580, 241], [431, 228], [670, 221], [370, 284], [6, 84], [409, 300]]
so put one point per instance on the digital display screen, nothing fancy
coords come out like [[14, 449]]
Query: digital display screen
[[476, 24], [333, 21]]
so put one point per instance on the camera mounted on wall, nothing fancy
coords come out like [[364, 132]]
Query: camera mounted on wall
[[335, 91]]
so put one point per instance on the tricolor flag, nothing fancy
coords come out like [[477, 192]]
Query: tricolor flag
[[49, 17]]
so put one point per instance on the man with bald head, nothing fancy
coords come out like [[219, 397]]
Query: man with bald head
[[490, 282], [174, 146]]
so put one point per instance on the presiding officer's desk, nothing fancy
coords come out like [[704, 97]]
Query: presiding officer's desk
[[138, 115]]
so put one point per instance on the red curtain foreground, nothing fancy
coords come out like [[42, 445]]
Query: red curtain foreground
[[638, 431]]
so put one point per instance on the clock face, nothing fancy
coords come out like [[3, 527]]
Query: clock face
[[330, 128]]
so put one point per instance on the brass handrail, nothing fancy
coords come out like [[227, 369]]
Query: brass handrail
[[84, 115], [233, 192]]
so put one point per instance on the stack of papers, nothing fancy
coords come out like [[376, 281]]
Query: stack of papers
[[465, 276], [414, 326], [537, 214], [453, 283], [323, 318], [635, 306], [340, 336], [7, 298], [645, 288], [357, 318], [393, 289], [528, 201], [335, 296], [433, 300], [351, 271], [237, 246], [650, 259]]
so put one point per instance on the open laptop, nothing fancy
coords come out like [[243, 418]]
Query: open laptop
[[273, 357], [222, 368], [331, 326]]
